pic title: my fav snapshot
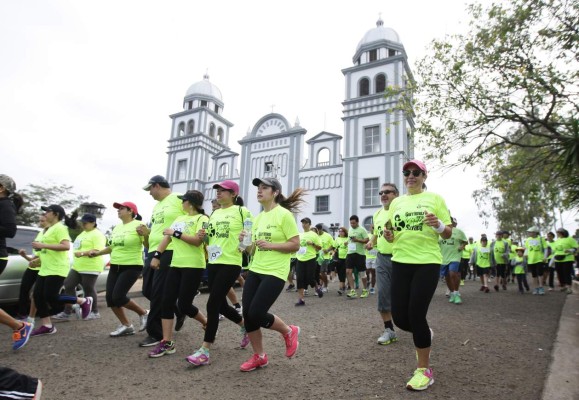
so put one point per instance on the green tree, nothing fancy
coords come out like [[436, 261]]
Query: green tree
[[36, 196], [513, 76]]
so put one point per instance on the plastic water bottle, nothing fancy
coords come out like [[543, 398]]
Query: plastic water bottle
[[247, 227]]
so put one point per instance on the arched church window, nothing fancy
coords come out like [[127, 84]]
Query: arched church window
[[224, 171], [212, 130], [181, 129], [380, 81], [323, 159], [190, 127], [363, 87], [220, 135]]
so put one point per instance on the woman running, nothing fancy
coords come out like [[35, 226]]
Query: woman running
[[417, 219], [126, 250], [564, 250], [187, 266], [224, 265], [341, 248], [275, 237]]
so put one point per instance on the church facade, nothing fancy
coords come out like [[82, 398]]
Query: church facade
[[342, 173]]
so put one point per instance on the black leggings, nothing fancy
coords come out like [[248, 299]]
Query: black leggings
[[259, 293], [26, 283], [220, 278], [181, 284], [120, 280], [88, 282], [305, 273], [341, 269], [564, 272], [463, 268], [46, 295], [413, 286]]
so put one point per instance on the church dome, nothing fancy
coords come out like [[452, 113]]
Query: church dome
[[379, 33], [204, 88]]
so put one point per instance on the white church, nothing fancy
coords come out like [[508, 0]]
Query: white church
[[343, 172]]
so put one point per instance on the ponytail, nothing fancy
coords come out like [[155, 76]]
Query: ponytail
[[238, 201], [71, 221], [17, 200], [293, 202]]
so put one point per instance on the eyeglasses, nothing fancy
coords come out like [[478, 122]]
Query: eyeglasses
[[386, 192], [414, 172]]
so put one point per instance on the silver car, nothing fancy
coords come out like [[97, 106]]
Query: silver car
[[12, 275]]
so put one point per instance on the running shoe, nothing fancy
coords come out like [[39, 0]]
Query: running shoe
[[541, 291], [372, 291], [149, 341], [123, 330], [20, 337], [290, 288], [200, 357], [389, 336], [496, 288], [63, 316], [340, 292], [239, 310], [451, 298], [291, 341], [422, 379], [244, 338], [447, 294], [143, 321], [319, 292], [164, 347], [352, 294], [569, 291], [43, 330], [487, 290], [254, 362], [457, 298], [482, 288], [536, 291], [93, 315], [364, 294], [306, 293], [300, 303], [325, 289], [86, 307], [504, 287], [462, 282], [221, 317]]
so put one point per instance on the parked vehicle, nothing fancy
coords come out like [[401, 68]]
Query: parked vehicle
[[12, 275]]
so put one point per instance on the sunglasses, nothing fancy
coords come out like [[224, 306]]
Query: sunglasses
[[414, 172], [383, 192]]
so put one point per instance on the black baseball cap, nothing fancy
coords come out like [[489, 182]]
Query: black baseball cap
[[193, 196], [307, 220], [88, 218], [273, 182], [157, 179], [55, 208]]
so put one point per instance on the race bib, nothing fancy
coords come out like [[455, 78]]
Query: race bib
[[373, 252], [351, 246], [76, 245], [302, 250], [213, 253]]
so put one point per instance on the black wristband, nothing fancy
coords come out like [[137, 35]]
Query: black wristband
[[157, 255], [177, 234]]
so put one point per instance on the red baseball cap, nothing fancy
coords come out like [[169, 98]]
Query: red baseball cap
[[416, 163], [228, 185], [129, 205]]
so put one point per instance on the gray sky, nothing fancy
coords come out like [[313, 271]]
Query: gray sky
[[86, 87]]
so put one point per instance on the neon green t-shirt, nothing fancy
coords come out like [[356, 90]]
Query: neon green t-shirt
[[371, 254], [483, 256], [449, 248], [308, 251], [126, 244], [562, 244], [535, 249], [164, 213], [327, 242], [186, 255], [341, 244], [276, 226], [519, 265], [225, 225], [54, 262], [85, 241], [380, 218], [357, 247], [501, 251], [38, 238], [414, 241], [467, 252]]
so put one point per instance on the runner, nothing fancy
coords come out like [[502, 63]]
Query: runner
[[371, 254], [310, 244], [327, 242], [224, 265], [356, 258], [549, 275], [481, 262], [520, 269], [565, 248], [464, 258], [451, 250], [126, 265], [275, 237], [500, 250], [536, 254], [341, 248], [417, 220]]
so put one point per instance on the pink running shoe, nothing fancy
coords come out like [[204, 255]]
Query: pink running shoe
[[255, 361], [86, 307], [244, 339], [198, 358], [291, 341]]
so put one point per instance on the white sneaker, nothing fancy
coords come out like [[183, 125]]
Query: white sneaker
[[447, 294], [93, 315], [62, 316], [240, 311], [143, 321], [123, 330], [389, 336]]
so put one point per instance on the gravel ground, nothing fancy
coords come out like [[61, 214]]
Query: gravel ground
[[495, 345]]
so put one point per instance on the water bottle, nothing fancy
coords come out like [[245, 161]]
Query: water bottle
[[247, 227]]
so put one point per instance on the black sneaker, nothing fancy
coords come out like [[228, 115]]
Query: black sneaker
[[290, 288], [179, 321], [149, 341]]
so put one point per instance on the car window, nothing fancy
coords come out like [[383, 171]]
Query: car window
[[22, 240]]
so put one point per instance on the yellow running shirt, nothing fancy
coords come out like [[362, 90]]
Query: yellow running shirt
[[85, 241], [126, 244], [187, 255], [54, 262], [225, 225]]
